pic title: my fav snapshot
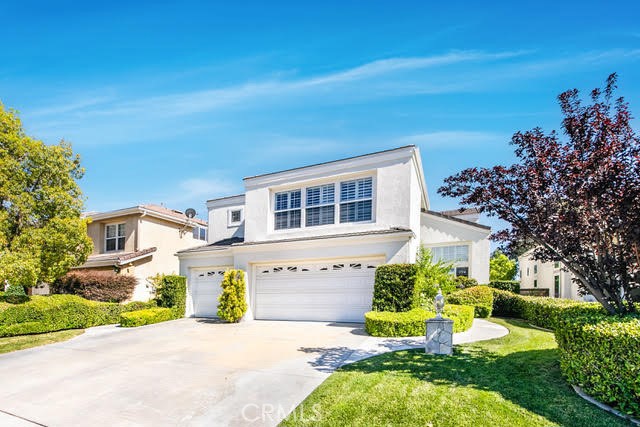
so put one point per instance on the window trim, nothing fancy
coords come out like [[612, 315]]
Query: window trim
[[302, 187], [230, 222], [289, 209], [356, 200], [200, 228], [117, 237]]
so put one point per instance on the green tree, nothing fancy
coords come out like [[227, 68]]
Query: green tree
[[501, 267], [232, 303], [430, 276], [42, 234]]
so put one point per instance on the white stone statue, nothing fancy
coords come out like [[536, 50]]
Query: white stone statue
[[439, 303]]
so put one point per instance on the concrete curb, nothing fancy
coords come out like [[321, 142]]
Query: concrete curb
[[604, 407]]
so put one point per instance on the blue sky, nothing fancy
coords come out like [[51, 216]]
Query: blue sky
[[176, 103]]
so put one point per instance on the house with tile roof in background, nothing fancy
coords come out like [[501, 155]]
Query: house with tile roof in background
[[140, 241]]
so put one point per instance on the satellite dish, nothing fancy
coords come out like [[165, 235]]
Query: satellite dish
[[190, 213]]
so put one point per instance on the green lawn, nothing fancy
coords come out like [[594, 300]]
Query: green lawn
[[21, 342], [511, 381]]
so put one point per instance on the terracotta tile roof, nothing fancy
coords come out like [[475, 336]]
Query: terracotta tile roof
[[172, 212], [115, 259]]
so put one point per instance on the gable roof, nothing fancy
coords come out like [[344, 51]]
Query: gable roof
[[156, 211]]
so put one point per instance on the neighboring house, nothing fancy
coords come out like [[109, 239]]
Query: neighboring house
[[141, 241], [311, 238], [551, 277]]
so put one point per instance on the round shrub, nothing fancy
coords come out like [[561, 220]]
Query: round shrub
[[463, 282], [105, 286], [601, 354], [232, 303], [412, 323], [15, 294], [480, 297]]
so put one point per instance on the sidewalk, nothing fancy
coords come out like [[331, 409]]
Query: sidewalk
[[481, 330]]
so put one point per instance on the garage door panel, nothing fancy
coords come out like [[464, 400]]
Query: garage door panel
[[336, 291], [205, 290]]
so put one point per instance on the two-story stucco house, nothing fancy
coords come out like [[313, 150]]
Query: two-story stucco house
[[141, 241], [551, 277], [311, 238]]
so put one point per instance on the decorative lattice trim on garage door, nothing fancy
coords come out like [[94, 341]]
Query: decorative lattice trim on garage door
[[315, 268], [211, 273]]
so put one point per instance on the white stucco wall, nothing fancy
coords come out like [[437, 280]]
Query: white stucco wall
[[436, 231], [543, 274], [220, 226], [395, 195], [386, 248]]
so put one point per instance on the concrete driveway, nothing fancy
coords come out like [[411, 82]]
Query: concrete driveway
[[185, 372]]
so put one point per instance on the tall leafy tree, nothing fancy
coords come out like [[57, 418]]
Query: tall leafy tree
[[575, 199], [42, 234], [501, 267]]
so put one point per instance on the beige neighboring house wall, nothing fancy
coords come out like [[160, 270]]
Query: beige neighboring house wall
[[548, 275], [152, 236]]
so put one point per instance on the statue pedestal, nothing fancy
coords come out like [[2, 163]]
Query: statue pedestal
[[439, 336]]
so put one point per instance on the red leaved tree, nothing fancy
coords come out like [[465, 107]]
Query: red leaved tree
[[575, 200]]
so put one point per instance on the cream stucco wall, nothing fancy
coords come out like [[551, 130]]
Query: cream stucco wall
[[541, 275], [97, 230], [436, 231]]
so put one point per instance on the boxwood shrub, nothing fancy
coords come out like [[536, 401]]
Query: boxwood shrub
[[57, 312], [171, 292], [480, 297], [105, 286], [601, 354], [412, 323], [506, 285], [146, 317], [395, 288]]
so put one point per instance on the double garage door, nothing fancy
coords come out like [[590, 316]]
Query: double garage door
[[338, 291]]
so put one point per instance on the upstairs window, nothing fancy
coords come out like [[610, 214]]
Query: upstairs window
[[458, 253], [287, 209], [356, 200], [200, 233], [320, 205], [114, 237], [236, 216]]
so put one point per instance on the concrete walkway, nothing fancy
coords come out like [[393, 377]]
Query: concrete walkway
[[188, 372], [481, 330]]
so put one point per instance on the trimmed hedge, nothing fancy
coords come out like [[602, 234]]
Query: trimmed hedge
[[146, 317], [601, 354], [105, 286], [412, 323], [598, 352], [171, 292], [543, 312], [480, 297], [463, 282], [57, 312], [506, 285], [395, 288]]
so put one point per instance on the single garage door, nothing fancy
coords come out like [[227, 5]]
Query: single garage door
[[205, 289], [339, 291]]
